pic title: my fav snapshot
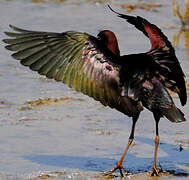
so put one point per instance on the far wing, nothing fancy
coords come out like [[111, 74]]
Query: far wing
[[74, 58], [163, 53]]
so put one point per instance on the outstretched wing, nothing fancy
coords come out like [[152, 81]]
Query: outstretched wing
[[74, 58], [163, 54]]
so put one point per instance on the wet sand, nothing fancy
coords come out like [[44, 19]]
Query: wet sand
[[71, 136]]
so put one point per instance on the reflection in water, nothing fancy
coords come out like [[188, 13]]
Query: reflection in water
[[181, 10], [185, 34], [182, 14]]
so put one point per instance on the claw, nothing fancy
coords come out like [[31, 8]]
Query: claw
[[120, 167], [155, 172], [122, 171]]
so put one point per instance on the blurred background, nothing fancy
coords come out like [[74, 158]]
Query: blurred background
[[49, 131]]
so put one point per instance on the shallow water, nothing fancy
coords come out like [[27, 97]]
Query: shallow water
[[76, 137]]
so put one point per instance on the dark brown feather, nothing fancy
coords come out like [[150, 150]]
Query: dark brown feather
[[162, 53], [88, 64]]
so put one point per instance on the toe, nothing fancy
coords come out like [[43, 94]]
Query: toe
[[155, 172], [120, 167]]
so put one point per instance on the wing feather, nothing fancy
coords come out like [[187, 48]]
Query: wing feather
[[73, 58], [47, 60], [162, 53]]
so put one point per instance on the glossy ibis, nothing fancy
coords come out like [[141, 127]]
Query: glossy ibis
[[93, 66]]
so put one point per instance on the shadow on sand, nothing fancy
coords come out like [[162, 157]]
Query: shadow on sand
[[173, 163]]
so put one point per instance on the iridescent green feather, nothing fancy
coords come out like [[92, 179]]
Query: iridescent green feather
[[63, 56]]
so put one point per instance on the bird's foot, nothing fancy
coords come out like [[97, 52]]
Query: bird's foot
[[118, 166], [155, 172]]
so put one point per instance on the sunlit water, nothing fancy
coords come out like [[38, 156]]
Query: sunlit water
[[79, 138]]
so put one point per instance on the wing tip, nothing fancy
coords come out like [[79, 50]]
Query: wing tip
[[9, 48], [119, 14], [5, 41], [7, 33], [11, 26], [17, 29], [14, 28], [130, 19], [183, 99], [112, 9], [16, 56]]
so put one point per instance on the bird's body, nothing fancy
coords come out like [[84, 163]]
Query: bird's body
[[93, 66]]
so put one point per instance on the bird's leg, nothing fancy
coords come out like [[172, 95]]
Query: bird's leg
[[119, 164], [155, 171]]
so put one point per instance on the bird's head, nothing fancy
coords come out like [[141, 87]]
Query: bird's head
[[109, 39]]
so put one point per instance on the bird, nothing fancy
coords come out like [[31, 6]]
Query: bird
[[94, 66]]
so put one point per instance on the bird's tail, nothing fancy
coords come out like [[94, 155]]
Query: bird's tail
[[174, 114], [157, 99], [142, 83]]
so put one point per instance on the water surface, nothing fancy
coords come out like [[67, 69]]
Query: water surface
[[77, 137]]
